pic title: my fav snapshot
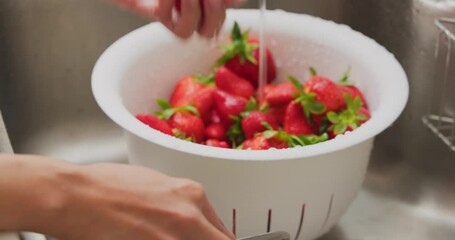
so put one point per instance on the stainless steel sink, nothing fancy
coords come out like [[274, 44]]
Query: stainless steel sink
[[49, 47]]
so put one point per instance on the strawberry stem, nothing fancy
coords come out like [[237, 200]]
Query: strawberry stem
[[238, 47]]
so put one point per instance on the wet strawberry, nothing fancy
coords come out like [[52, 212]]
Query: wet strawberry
[[184, 121], [242, 57], [277, 113], [348, 87], [187, 126], [279, 139], [280, 94], [216, 131], [295, 121], [196, 90], [156, 123], [350, 118], [252, 123], [203, 101], [184, 91], [214, 116], [327, 92], [229, 82], [228, 106], [260, 142], [217, 143]]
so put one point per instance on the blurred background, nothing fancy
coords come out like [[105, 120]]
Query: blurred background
[[49, 47]]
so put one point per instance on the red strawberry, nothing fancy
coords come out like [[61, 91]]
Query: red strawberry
[[252, 123], [184, 91], [217, 143], [277, 113], [295, 122], [233, 84], [184, 121], [204, 102], [327, 92], [348, 87], [228, 106], [215, 116], [280, 94], [156, 123], [260, 142], [216, 131], [349, 119], [241, 57], [354, 92], [188, 126]]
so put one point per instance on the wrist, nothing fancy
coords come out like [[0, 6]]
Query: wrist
[[33, 196]]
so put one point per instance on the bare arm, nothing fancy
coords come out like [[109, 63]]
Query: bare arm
[[102, 201]]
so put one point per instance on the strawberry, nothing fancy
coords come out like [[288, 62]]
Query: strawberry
[[217, 143], [215, 131], [187, 126], [228, 106], [279, 139], [241, 57], [260, 142], [184, 91], [227, 81], [307, 100], [214, 116], [280, 94], [277, 113], [295, 121], [348, 87], [327, 92], [184, 121], [197, 91], [203, 101], [252, 123], [156, 123], [350, 118]]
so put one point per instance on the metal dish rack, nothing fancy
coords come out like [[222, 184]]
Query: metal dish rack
[[439, 121]]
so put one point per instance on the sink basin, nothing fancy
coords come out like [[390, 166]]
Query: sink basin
[[45, 97]]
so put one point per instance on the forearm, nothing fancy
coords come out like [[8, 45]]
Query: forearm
[[31, 195]]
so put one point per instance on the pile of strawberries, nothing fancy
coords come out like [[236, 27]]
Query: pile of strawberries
[[222, 109]]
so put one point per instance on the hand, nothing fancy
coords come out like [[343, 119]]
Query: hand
[[107, 202], [184, 17]]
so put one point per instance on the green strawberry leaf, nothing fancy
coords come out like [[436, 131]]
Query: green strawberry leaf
[[235, 132], [181, 135], [313, 72], [190, 109], [296, 83], [236, 33], [340, 128], [316, 107], [361, 117], [269, 133], [333, 117], [267, 126], [239, 47], [163, 103], [344, 80], [167, 114], [252, 105], [356, 104], [206, 80]]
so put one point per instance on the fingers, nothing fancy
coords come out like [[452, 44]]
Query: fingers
[[164, 13], [188, 21], [212, 217], [214, 15]]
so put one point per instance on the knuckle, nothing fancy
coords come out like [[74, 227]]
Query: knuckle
[[194, 189]]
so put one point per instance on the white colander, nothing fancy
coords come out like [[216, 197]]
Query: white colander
[[303, 191]]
